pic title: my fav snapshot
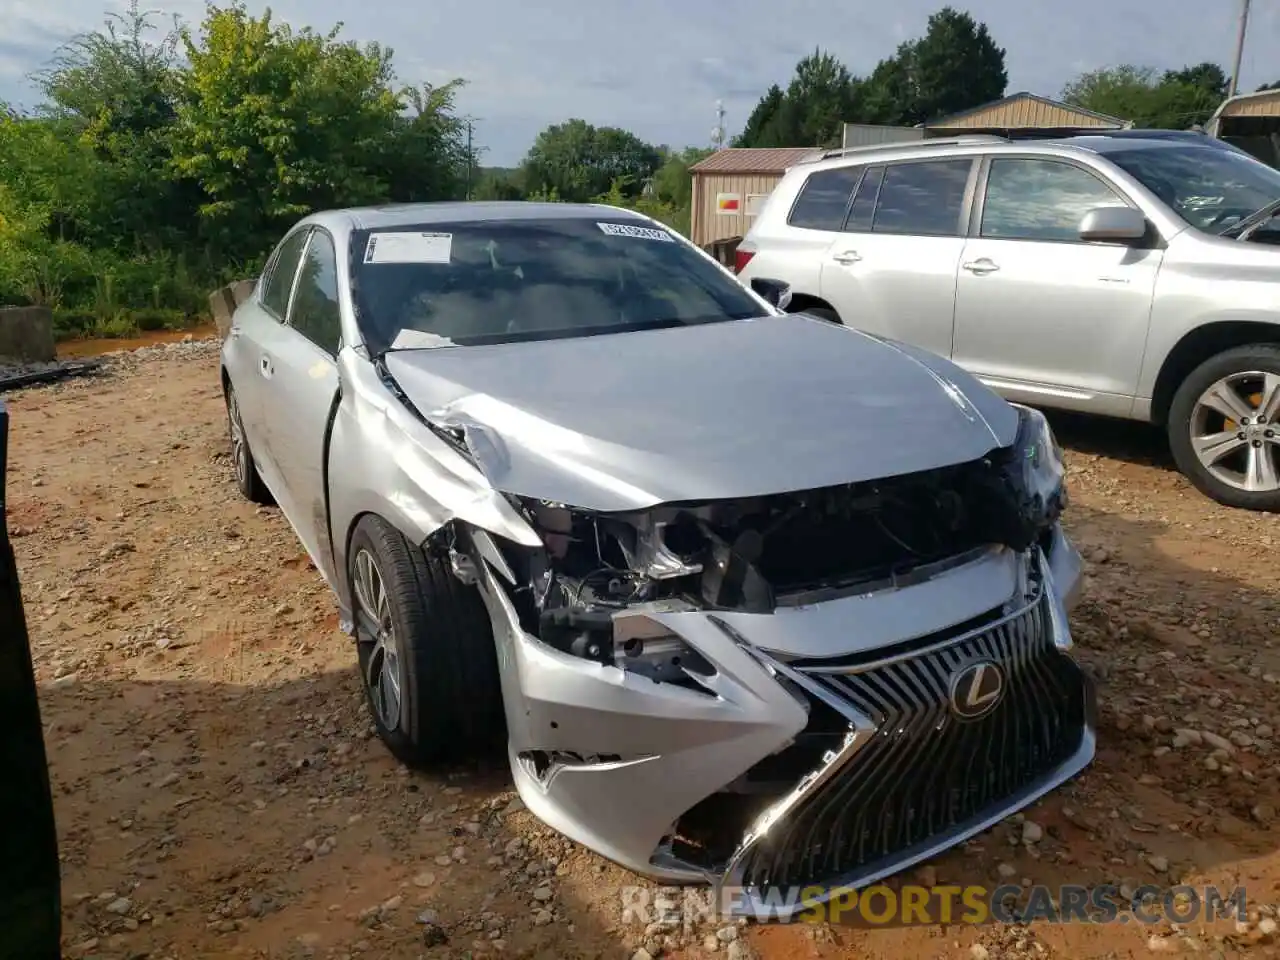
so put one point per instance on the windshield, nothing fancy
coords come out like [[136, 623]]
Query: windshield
[[500, 281], [1210, 188]]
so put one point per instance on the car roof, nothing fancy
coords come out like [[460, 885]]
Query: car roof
[[471, 211]]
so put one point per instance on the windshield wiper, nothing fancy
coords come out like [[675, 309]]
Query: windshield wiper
[[1252, 220]]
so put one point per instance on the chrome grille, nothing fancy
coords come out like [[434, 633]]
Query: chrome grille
[[924, 773]]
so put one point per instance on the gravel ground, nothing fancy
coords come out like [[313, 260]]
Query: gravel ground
[[219, 791]]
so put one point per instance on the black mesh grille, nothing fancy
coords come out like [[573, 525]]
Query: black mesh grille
[[925, 773]]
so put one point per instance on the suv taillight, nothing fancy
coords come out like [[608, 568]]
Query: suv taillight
[[741, 258]]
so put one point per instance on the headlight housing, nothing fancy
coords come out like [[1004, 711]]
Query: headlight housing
[[1037, 472]]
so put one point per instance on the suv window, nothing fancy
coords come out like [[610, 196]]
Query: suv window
[[1040, 199], [315, 313], [824, 199], [275, 296], [923, 198], [863, 210]]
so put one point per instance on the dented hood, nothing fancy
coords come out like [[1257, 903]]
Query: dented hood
[[736, 409]]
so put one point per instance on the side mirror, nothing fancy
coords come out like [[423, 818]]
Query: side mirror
[[777, 292], [1113, 225]]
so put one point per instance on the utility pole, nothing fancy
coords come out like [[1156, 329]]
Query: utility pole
[[1244, 27]]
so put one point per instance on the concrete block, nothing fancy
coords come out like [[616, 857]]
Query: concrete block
[[26, 334]]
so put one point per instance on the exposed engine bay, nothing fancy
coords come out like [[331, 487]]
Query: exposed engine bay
[[755, 555], [588, 591]]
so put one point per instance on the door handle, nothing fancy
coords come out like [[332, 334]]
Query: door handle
[[233, 333], [981, 266], [847, 256], [266, 367]]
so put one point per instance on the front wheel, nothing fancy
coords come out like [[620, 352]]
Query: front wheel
[[1224, 430], [425, 644]]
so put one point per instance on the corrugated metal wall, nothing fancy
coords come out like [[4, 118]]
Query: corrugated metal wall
[[706, 224], [1254, 107], [867, 134], [1026, 112]]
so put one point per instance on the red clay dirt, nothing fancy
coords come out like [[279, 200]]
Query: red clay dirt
[[220, 793]]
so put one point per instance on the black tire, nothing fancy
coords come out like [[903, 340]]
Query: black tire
[[823, 313], [247, 479], [1263, 358], [450, 707]]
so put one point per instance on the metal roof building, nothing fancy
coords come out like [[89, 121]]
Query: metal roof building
[[730, 186]]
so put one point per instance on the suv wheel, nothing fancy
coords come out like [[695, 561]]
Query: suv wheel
[[1224, 427]]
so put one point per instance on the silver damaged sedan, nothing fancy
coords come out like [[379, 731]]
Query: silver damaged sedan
[[751, 598]]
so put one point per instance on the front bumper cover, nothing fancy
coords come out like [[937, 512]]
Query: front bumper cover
[[623, 757]]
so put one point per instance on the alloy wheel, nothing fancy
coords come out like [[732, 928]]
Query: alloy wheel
[[384, 669], [239, 447], [1234, 431]]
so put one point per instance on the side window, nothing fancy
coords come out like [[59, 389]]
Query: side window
[[824, 198], [275, 295], [315, 313], [864, 202], [1040, 199], [923, 199]]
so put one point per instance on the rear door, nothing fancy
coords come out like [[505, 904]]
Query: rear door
[[254, 339], [1041, 315], [302, 391], [892, 268], [795, 252]]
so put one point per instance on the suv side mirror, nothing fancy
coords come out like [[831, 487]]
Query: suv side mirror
[[777, 292], [1113, 225]]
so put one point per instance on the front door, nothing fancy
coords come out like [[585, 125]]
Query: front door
[[892, 271], [1041, 315], [301, 396]]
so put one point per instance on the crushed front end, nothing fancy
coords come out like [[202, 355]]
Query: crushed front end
[[817, 687]]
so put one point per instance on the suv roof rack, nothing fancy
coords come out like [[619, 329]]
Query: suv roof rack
[[899, 144], [894, 145]]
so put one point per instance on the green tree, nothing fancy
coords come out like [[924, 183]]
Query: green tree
[[579, 161], [673, 183], [273, 123], [770, 105], [113, 89], [955, 66], [1173, 100], [820, 97], [1207, 76], [426, 155]]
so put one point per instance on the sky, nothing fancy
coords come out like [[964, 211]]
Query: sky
[[657, 68]]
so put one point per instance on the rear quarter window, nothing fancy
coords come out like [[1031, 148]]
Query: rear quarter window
[[824, 199]]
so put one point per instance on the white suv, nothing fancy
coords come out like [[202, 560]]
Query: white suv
[[1129, 276]]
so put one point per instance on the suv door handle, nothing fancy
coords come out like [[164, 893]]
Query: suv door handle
[[847, 256], [981, 266], [267, 368]]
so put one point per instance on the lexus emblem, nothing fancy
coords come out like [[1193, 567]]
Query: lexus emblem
[[976, 690]]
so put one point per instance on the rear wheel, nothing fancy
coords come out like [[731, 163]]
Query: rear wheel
[[247, 478], [427, 659], [1224, 427]]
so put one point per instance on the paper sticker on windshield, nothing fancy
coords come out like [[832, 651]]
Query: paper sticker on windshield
[[642, 233], [401, 247]]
